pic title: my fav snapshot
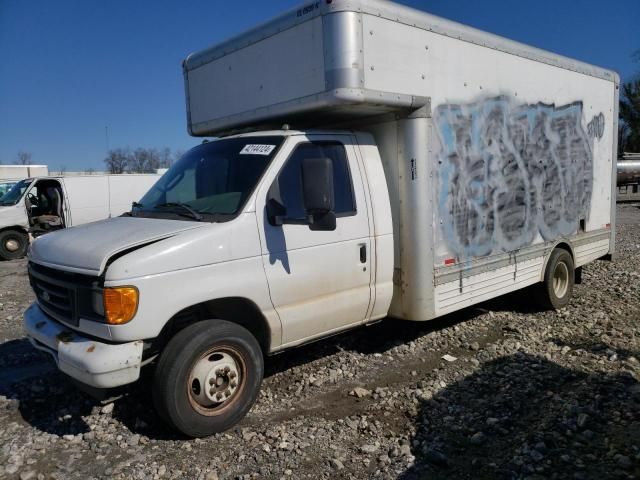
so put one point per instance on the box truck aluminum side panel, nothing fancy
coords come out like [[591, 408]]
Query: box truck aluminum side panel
[[334, 60], [513, 99], [221, 86]]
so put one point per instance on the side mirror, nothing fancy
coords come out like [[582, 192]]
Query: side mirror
[[318, 193], [276, 212]]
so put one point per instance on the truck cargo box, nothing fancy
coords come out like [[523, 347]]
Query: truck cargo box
[[346, 59]]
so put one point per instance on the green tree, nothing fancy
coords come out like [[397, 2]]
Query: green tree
[[630, 115], [629, 130]]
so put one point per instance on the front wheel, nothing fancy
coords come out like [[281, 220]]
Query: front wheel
[[557, 288], [13, 244], [208, 377]]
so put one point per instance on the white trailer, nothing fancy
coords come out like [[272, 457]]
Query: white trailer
[[375, 161], [34, 206]]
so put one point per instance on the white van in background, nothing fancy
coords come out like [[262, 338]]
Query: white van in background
[[35, 206], [12, 174]]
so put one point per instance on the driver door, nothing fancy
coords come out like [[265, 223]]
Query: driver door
[[319, 281]]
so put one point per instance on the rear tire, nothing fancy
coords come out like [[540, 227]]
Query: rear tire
[[208, 377], [13, 244], [557, 287]]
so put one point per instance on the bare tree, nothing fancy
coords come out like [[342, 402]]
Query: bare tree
[[117, 160], [90, 171], [24, 158], [165, 158], [144, 160], [140, 160]]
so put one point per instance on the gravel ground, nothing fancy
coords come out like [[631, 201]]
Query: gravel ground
[[520, 394]]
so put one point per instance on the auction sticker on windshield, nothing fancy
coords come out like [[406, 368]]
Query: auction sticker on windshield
[[253, 149]]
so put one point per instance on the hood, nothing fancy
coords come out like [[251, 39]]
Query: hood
[[87, 248], [224, 242]]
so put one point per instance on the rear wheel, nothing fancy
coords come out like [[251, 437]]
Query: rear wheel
[[557, 288], [208, 377], [13, 244]]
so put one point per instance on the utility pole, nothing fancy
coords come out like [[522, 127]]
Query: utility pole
[[106, 136]]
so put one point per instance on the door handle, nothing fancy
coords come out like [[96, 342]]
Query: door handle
[[363, 253]]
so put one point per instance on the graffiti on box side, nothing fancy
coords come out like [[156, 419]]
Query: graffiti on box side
[[509, 171]]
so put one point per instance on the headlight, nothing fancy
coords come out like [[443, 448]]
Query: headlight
[[120, 304]]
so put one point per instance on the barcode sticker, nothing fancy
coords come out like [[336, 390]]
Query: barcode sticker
[[252, 149]]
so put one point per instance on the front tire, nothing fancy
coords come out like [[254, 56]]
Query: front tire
[[556, 290], [13, 244], [208, 377]]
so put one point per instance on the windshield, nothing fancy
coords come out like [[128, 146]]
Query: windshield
[[15, 193], [5, 187], [212, 181]]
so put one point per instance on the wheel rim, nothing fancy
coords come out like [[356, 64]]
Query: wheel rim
[[560, 279], [12, 245], [216, 380]]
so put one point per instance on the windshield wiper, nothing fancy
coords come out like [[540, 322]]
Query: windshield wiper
[[192, 213]]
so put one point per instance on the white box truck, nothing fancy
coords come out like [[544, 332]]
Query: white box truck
[[425, 166], [11, 174], [35, 206]]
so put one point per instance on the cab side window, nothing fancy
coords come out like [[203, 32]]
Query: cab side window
[[289, 181]]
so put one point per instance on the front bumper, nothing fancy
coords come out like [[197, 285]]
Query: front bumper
[[99, 365]]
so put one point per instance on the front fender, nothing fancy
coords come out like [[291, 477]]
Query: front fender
[[164, 295]]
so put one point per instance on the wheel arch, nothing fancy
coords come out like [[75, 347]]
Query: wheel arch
[[563, 244], [239, 310]]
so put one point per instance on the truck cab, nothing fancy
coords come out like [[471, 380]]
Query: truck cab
[[278, 232]]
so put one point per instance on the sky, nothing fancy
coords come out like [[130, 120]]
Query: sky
[[72, 69]]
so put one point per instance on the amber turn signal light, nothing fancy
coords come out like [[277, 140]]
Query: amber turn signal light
[[120, 304]]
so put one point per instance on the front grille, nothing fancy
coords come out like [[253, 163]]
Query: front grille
[[65, 296]]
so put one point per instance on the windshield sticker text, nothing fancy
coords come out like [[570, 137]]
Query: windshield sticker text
[[257, 149]]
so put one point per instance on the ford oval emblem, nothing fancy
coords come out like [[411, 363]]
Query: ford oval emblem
[[45, 296]]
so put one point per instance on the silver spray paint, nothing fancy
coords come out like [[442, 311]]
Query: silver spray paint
[[508, 172]]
